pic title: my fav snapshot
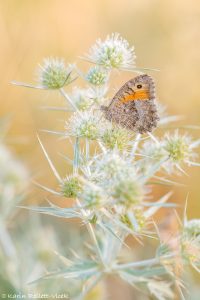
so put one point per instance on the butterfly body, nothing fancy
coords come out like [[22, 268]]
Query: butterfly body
[[133, 106]]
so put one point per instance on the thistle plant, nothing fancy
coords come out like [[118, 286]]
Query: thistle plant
[[114, 172]]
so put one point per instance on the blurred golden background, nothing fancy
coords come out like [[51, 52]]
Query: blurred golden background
[[166, 36]]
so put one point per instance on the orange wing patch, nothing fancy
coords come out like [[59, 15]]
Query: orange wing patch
[[138, 95]]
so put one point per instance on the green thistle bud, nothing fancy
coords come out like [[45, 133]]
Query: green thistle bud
[[53, 74], [70, 187], [116, 137], [97, 76]]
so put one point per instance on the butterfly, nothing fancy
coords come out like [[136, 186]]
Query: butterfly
[[134, 105]]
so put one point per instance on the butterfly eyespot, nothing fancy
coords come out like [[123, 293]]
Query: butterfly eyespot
[[139, 86]]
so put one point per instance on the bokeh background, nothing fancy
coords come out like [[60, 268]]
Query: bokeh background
[[166, 36]]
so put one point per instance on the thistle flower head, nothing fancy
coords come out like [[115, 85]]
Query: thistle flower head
[[177, 147], [190, 241], [114, 52], [191, 251], [153, 151], [92, 195], [71, 186], [97, 75], [116, 137], [192, 228], [110, 165], [173, 149], [82, 98], [127, 191], [53, 73], [85, 125]]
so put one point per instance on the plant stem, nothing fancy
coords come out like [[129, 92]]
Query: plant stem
[[84, 213], [143, 263], [135, 144], [66, 96], [76, 157]]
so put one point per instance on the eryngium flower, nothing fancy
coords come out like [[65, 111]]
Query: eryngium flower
[[116, 137], [114, 52], [97, 76], [127, 191], [153, 151], [109, 166], [190, 242], [54, 74], [92, 195], [82, 98], [173, 149], [192, 228], [177, 147], [86, 124], [70, 187]]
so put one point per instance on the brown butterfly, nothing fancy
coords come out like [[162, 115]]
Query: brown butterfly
[[133, 107]]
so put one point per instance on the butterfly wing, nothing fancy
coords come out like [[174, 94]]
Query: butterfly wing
[[122, 112], [133, 107]]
